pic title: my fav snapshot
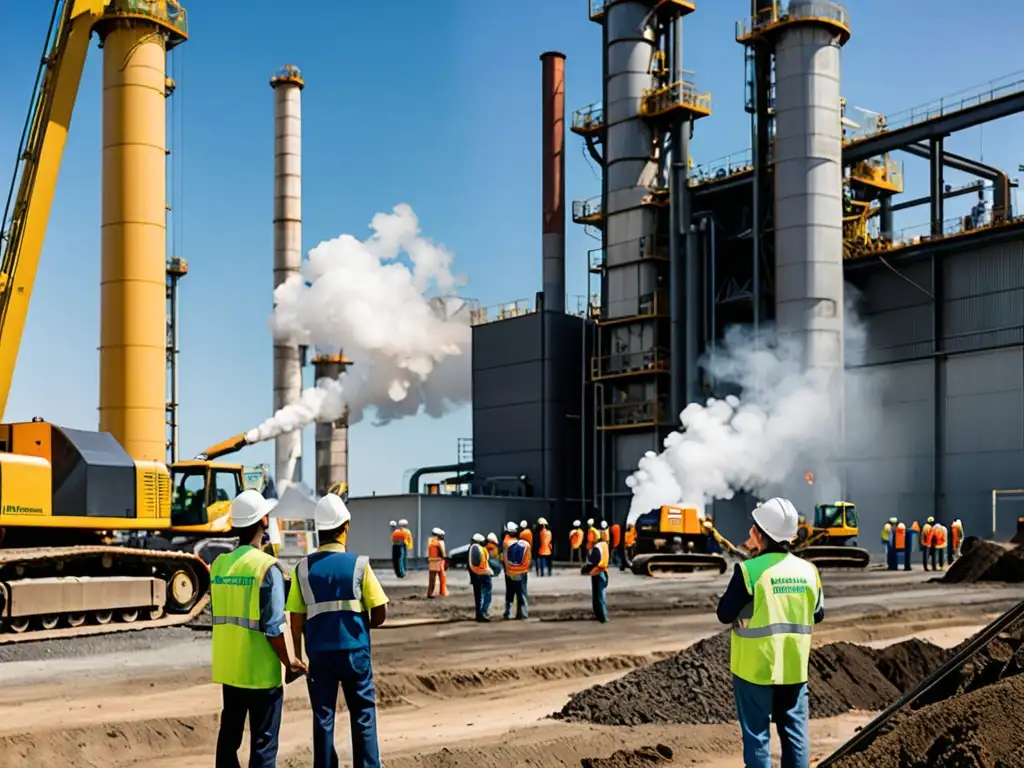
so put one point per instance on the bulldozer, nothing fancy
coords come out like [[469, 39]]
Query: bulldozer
[[830, 540], [675, 539]]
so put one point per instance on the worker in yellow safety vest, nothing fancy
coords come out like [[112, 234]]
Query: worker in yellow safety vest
[[576, 543], [772, 602], [247, 602], [437, 563], [886, 536]]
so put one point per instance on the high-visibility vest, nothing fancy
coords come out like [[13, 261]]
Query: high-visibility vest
[[509, 538], [939, 535], [886, 530], [527, 535], [517, 558], [478, 560], [926, 535], [398, 537], [900, 538], [774, 646], [605, 535], [616, 535], [242, 655], [408, 538], [592, 536], [331, 584], [601, 565], [958, 534], [544, 546], [576, 538], [435, 554], [630, 536], [492, 548]]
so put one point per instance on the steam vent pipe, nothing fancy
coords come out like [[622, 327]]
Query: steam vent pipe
[[553, 143], [331, 445], [809, 179], [287, 85], [133, 307]]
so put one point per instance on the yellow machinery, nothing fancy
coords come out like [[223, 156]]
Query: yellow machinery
[[66, 496], [831, 540], [675, 540]]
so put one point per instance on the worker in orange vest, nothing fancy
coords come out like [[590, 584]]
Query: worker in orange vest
[[511, 534], [516, 556], [494, 553], [480, 576], [525, 532], [938, 547], [630, 541], [898, 546], [956, 529], [597, 568], [590, 537], [401, 545], [543, 547], [616, 545], [575, 543], [926, 540], [437, 562]]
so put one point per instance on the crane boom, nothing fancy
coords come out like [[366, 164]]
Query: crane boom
[[42, 148]]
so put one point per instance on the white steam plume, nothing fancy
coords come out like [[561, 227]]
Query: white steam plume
[[410, 349], [782, 421]]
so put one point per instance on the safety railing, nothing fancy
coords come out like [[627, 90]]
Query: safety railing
[[632, 414], [643, 248], [643, 307], [597, 9], [678, 95], [781, 13], [589, 119], [504, 311], [289, 73], [908, 237], [587, 211], [169, 12], [722, 168], [629, 364], [975, 96], [882, 172]]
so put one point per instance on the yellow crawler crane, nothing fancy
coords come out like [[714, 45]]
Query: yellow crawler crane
[[70, 498], [674, 539]]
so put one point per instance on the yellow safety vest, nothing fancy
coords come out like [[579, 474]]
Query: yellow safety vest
[[242, 655], [774, 646]]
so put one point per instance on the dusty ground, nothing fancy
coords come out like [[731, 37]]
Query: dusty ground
[[450, 691]]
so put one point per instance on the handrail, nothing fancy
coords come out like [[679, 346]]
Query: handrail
[[586, 209], [589, 117], [656, 101], [777, 15]]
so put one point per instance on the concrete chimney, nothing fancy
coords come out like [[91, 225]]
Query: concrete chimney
[[331, 438], [553, 160], [287, 85]]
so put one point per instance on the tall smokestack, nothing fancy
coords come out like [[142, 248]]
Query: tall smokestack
[[287, 85], [553, 154], [331, 438]]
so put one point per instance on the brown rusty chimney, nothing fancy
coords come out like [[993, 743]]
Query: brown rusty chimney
[[553, 153]]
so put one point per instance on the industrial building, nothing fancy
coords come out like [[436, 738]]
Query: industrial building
[[566, 405]]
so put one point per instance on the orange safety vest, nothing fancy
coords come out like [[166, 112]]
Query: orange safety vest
[[939, 536], [915, 527], [630, 536], [602, 564], [435, 554], [616, 535], [506, 541], [526, 535], [544, 547], [398, 536], [592, 536], [513, 569], [926, 535], [576, 538], [478, 560], [901, 536], [958, 534]]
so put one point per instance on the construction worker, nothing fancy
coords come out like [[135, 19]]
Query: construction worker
[[630, 542], [397, 550], [781, 594], [480, 576], [248, 640], [590, 538], [615, 539], [493, 547], [887, 542], [543, 547], [403, 526], [525, 532], [597, 568], [898, 548], [926, 541], [956, 530], [604, 534], [938, 552], [334, 602], [575, 543], [915, 536], [511, 534], [516, 558], [437, 556]]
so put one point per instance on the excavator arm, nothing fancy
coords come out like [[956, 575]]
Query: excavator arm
[[30, 196]]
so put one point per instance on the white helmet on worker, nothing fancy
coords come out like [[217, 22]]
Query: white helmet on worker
[[479, 538], [511, 527], [590, 521], [393, 524], [542, 521], [777, 518], [331, 513], [492, 537], [523, 524], [930, 520], [435, 531], [604, 524], [575, 523], [249, 507], [440, 532], [403, 522]]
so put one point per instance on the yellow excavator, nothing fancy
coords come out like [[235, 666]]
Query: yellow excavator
[[830, 540], [675, 539]]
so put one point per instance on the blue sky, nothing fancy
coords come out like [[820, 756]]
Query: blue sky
[[432, 104]]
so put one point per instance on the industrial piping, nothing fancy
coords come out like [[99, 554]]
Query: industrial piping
[[331, 444], [553, 159], [287, 85]]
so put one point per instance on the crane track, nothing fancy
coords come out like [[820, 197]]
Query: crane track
[[93, 570]]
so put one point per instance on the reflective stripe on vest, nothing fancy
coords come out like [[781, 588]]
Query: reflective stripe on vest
[[478, 560], [602, 563], [774, 646], [242, 655], [313, 608]]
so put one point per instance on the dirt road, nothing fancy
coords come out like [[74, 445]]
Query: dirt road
[[450, 691]]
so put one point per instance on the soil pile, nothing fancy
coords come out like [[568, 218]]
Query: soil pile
[[695, 686], [988, 561], [631, 758]]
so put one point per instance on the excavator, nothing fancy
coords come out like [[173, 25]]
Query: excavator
[[830, 541], [72, 501], [675, 539]]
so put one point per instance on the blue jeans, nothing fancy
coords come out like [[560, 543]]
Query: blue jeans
[[481, 593], [353, 671], [515, 591], [598, 584], [758, 706], [263, 708], [398, 559]]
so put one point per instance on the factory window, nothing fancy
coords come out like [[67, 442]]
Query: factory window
[[226, 484]]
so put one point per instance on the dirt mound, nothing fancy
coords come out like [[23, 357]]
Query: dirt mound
[[988, 561], [631, 758], [695, 686]]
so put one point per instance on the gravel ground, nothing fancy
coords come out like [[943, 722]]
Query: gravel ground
[[92, 645]]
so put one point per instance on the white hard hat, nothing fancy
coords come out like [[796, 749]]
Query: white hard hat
[[604, 523], [249, 507], [479, 538], [440, 532], [331, 513], [778, 518], [541, 521], [403, 521], [575, 523], [393, 524], [511, 527], [590, 521], [524, 524], [436, 531], [492, 537]]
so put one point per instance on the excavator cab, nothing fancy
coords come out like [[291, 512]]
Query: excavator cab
[[673, 539], [202, 494], [831, 541]]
